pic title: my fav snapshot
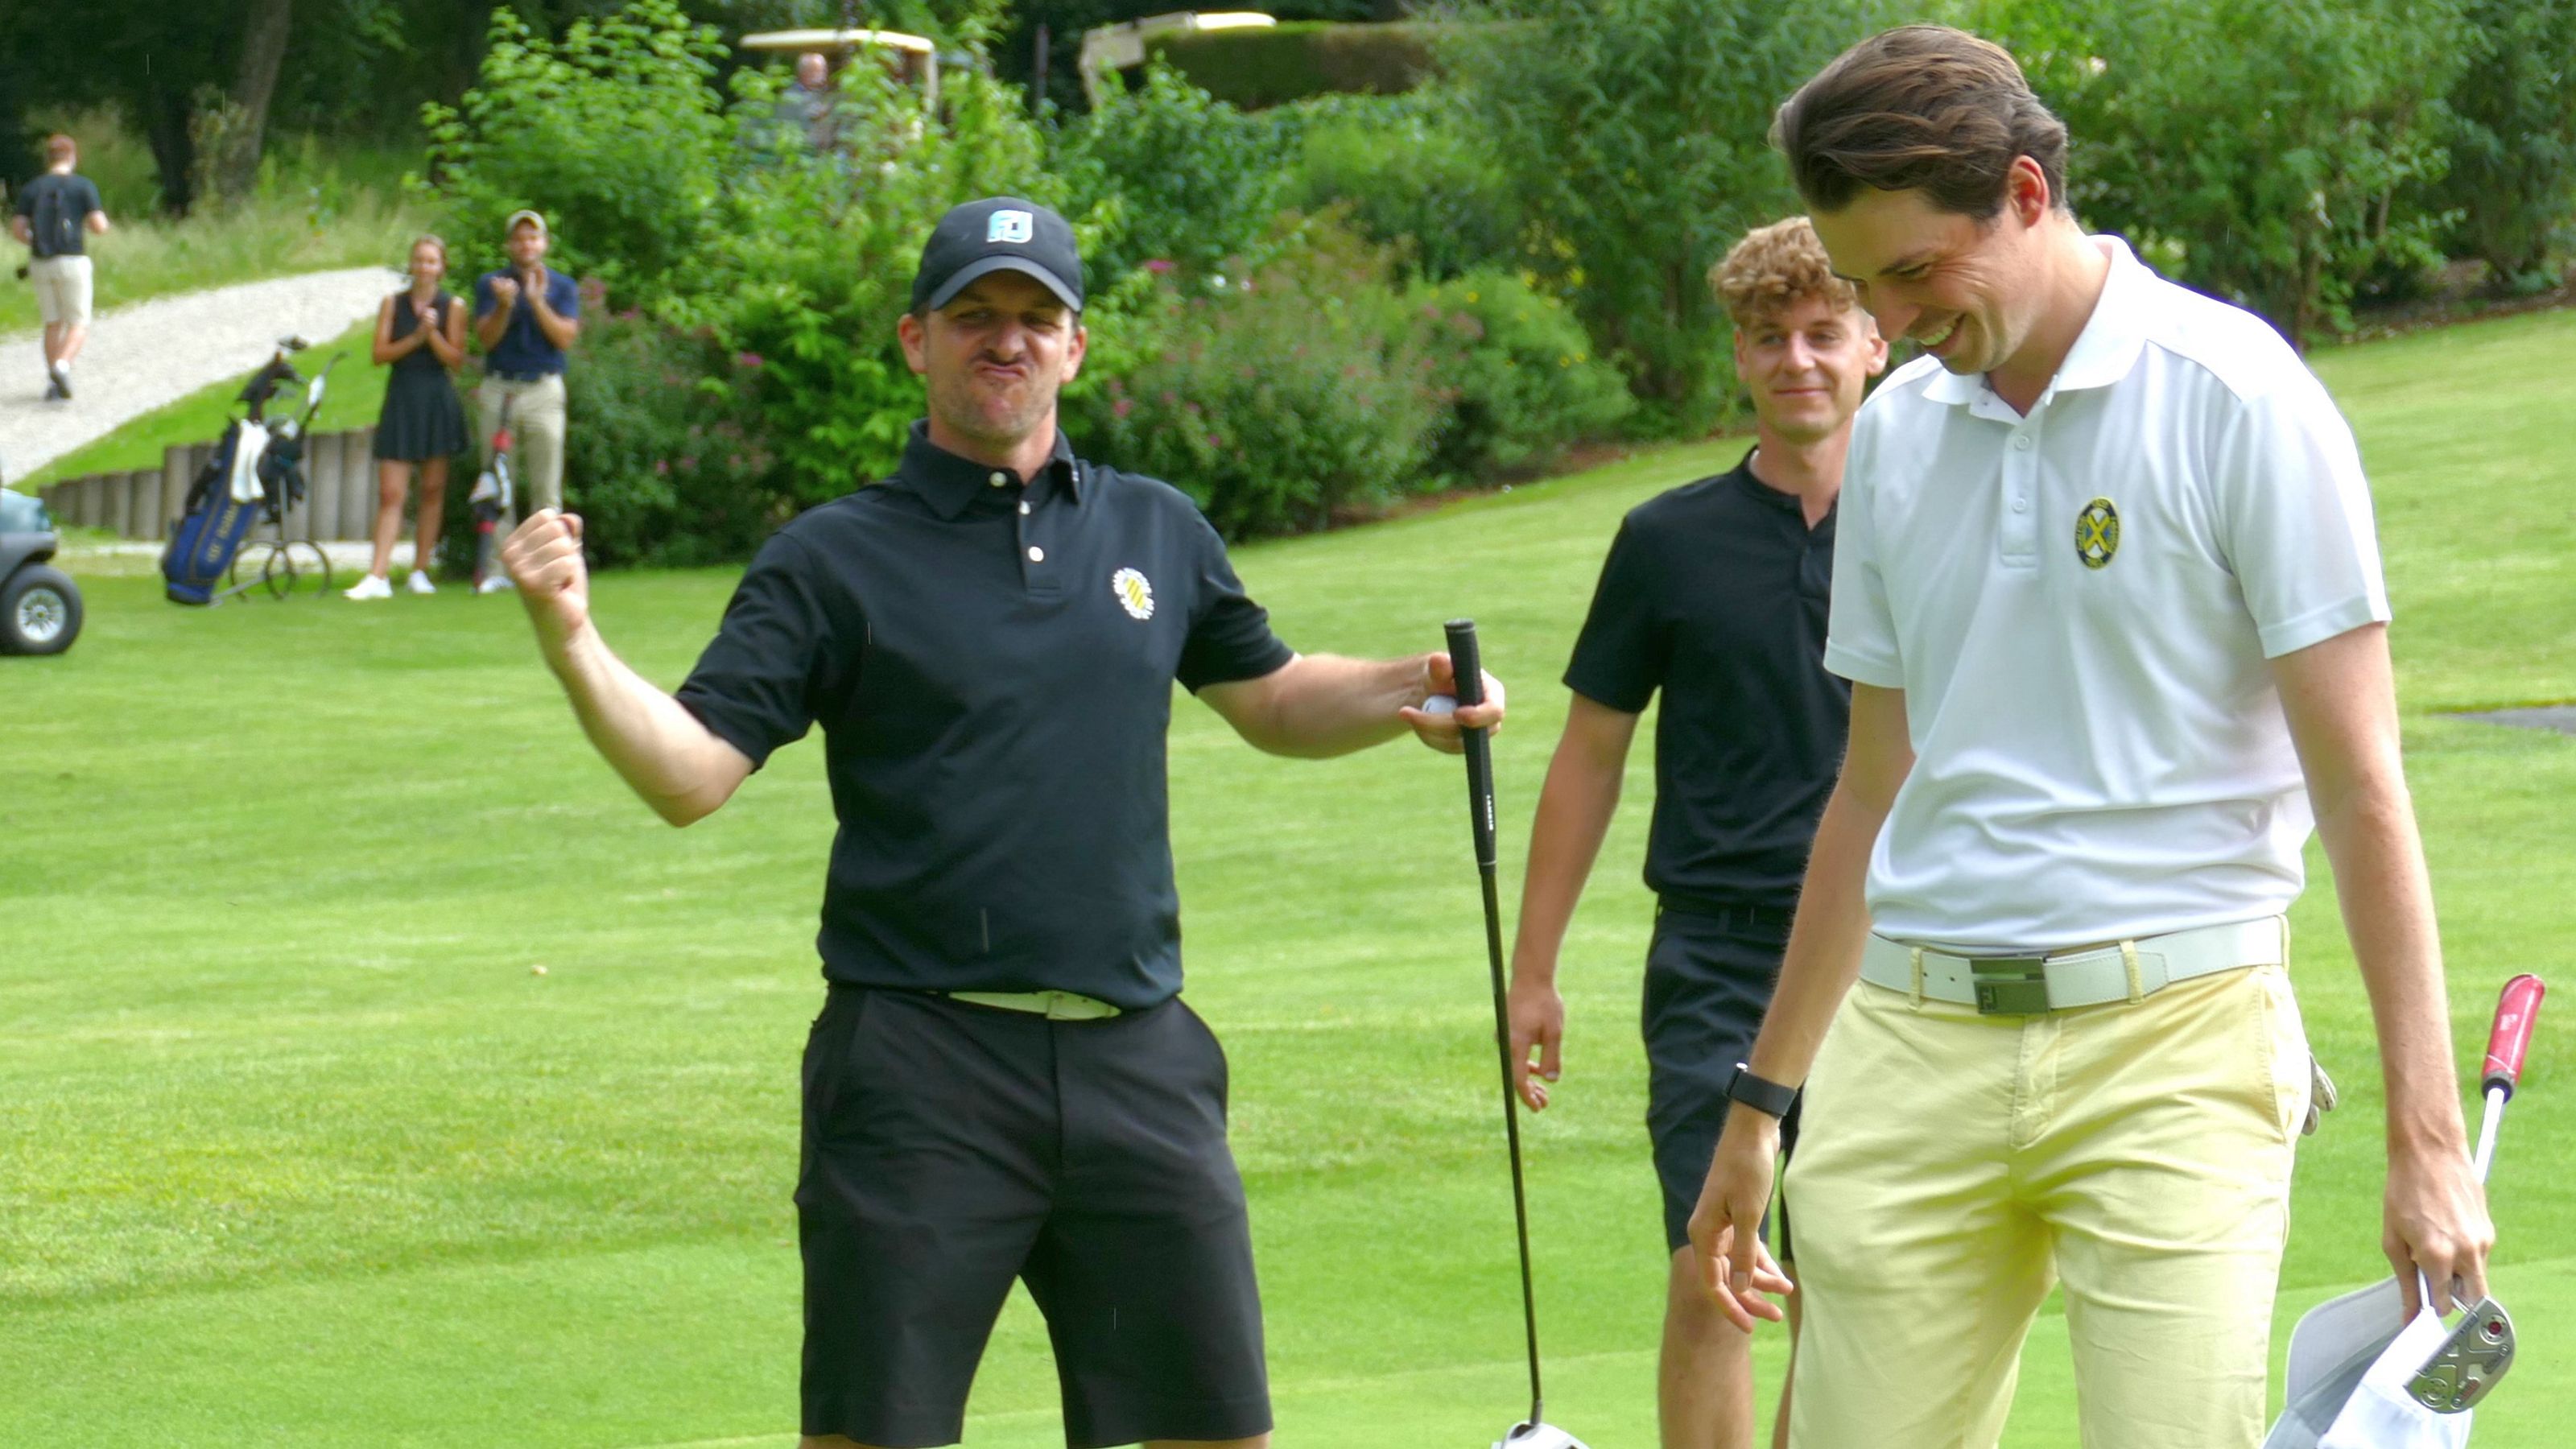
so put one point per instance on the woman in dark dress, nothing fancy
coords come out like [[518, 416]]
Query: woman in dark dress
[[421, 332]]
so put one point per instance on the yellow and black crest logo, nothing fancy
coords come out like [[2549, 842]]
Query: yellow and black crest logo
[[2097, 533]]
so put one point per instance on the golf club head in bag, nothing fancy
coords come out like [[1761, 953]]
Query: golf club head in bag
[[1538, 1436]]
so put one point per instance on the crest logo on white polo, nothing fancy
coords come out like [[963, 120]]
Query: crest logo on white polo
[[2097, 533]]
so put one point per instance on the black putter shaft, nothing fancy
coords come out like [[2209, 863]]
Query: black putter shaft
[[1470, 687]]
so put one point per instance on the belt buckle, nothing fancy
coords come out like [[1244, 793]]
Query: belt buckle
[[2010, 985]]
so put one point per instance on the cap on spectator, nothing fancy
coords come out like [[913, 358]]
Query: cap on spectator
[[997, 234], [530, 217]]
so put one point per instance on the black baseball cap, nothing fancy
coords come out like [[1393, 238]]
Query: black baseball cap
[[997, 234]]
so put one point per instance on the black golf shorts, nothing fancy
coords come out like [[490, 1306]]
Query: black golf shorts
[[1708, 980], [950, 1148]]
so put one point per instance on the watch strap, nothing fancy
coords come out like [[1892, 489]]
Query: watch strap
[[1762, 1095]]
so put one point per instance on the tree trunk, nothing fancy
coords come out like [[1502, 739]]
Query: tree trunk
[[165, 116], [263, 52]]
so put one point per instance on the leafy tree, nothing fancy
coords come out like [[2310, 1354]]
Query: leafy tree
[[1174, 174], [2513, 138], [1633, 134]]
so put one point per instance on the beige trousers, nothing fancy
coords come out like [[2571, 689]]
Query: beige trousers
[[62, 289], [1951, 1168], [536, 431]]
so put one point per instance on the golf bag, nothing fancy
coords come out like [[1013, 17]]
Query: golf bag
[[203, 543], [493, 501]]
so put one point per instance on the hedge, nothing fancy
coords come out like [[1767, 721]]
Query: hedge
[[1257, 68]]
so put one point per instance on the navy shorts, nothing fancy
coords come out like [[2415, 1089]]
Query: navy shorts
[[951, 1148], [1709, 974]]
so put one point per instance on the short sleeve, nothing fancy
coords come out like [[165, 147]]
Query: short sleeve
[[2294, 518], [92, 201], [1626, 643], [1860, 633], [757, 682], [483, 299], [563, 294], [1230, 636]]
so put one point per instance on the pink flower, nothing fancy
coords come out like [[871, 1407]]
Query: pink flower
[[1158, 266], [661, 465], [688, 465], [746, 359], [1122, 407]]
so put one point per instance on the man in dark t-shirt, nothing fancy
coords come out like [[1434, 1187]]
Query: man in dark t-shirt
[[55, 216], [1003, 1082], [1714, 593]]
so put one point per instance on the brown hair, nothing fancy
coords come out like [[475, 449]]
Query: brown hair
[[426, 239], [1775, 267], [60, 148], [1919, 108]]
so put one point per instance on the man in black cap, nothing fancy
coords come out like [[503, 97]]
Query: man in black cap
[[1003, 1082]]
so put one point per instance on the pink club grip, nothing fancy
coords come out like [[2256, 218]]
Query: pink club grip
[[2516, 1011]]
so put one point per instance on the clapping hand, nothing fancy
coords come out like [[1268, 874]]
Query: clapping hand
[[505, 290]]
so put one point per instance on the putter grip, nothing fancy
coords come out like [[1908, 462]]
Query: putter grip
[[1470, 686], [2516, 1011]]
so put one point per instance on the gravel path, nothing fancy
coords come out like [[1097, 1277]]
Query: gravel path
[[153, 353]]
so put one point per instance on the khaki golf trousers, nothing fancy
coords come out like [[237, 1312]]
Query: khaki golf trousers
[[536, 435], [1952, 1167]]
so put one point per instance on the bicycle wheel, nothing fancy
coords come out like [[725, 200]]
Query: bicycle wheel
[[314, 563], [277, 571]]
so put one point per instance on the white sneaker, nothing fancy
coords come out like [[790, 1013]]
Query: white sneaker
[[373, 586], [419, 583], [493, 585]]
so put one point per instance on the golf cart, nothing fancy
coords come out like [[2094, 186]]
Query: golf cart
[[40, 607]]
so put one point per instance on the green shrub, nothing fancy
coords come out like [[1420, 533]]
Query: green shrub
[[2512, 138], [1257, 68], [1406, 171], [615, 133], [1284, 401], [1632, 134], [1172, 174], [2261, 148], [1518, 377]]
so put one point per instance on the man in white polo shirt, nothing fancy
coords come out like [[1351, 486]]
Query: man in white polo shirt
[[2108, 594]]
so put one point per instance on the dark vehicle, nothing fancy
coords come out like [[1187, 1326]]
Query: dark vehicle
[[257, 472], [40, 607]]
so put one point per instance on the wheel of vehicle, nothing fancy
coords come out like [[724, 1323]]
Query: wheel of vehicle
[[277, 571], [40, 611]]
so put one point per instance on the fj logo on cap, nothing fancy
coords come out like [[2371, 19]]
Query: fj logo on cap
[[2097, 533], [1015, 227], [1134, 594]]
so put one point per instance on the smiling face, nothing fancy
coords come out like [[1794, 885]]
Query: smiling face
[[1963, 289], [428, 264], [994, 358], [1805, 363]]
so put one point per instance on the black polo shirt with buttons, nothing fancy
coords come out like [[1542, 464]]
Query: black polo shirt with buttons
[[991, 660], [1716, 593]]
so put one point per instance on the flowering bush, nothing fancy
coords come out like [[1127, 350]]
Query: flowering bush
[[1519, 374]]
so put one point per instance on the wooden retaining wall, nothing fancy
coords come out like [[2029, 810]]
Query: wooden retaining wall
[[339, 497]]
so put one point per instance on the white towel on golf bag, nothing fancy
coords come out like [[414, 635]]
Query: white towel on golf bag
[[2382, 1415], [246, 455]]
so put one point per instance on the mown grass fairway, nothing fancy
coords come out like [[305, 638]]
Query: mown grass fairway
[[298, 1149]]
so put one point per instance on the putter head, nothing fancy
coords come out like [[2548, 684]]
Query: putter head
[[1526, 1435]]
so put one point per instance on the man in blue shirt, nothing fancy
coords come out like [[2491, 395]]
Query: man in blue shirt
[[526, 317]]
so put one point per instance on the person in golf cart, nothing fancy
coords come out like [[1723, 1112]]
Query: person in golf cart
[[2106, 587], [1003, 1082], [1714, 593]]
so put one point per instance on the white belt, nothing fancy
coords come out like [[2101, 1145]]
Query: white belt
[[2092, 976]]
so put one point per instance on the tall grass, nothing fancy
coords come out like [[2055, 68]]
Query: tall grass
[[320, 203]]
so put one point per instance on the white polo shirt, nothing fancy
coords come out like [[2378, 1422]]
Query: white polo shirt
[[2079, 605]]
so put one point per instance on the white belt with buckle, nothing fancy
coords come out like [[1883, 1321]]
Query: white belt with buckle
[[1053, 1005], [2090, 976]]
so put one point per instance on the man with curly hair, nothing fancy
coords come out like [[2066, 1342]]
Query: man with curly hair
[[1715, 593]]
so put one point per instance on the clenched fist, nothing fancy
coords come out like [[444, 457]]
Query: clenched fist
[[505, 290], [543, 558]]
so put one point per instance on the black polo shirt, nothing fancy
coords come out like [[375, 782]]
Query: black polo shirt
[[1716, 593], [992, 664]]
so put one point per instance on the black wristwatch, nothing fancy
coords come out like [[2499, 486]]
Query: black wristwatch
[[1767, 1097]]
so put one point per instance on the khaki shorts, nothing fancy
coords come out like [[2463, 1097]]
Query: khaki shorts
[[62, 289], [1953, 1167]]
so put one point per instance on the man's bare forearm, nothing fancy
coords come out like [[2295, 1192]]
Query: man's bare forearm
[[1575, 807], [671, 760], [1825, 941], [2387, 902], [1320, 705]]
